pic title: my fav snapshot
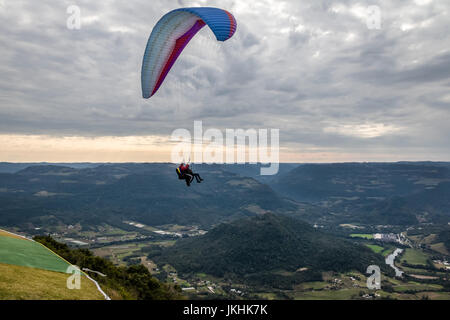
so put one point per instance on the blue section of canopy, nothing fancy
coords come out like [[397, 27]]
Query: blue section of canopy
[[221, 22]]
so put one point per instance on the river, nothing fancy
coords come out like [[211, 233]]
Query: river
[[390, 261]]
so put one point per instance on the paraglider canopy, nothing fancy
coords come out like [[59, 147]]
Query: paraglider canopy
[[171, 35]]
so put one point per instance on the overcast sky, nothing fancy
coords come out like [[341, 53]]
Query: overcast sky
[[336, 89]]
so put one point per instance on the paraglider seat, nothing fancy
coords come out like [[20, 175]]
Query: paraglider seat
[[180, 175]]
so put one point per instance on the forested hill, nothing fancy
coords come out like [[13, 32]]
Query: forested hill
[[260, 247], [430, 205]]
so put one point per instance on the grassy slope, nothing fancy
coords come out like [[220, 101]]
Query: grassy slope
[[28, 270], [7, 234], [18, 282], [28, 253]]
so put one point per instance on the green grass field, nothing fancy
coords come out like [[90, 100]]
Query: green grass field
[[315, 285], [411, 285], [268, 295], [413, 256], [343, 294], [375, 248], [28, 253], [360, 235]]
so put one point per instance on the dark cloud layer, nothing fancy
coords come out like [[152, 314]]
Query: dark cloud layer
[[310, 68]]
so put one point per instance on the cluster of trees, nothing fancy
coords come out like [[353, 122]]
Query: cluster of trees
[[444, 237], [132, 282]]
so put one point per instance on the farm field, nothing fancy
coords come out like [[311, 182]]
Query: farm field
[[343, 294], [440, 247], [375, 248], [415, 257], [360, 235]]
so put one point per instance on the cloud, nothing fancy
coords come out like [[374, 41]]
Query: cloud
[[312, 69], [371, 130]]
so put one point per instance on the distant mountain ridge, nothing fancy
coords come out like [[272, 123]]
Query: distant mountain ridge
[[11, 167], [430, 205], [149, 193], [326, 194], [319, 182], [371, 193]]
